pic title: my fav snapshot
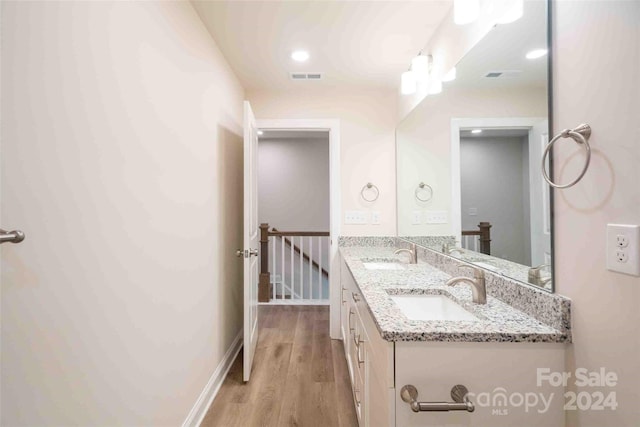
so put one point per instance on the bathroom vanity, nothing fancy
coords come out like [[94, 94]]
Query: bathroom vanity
[[493, 349]]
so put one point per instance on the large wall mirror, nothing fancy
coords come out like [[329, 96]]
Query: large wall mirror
[[468, 158]]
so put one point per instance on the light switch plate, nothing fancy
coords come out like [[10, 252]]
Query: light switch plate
[[416, 218], [356, 217], [473, 211], [623, 253], [436, 217], [375, 217]]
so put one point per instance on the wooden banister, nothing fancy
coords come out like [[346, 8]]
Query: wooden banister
[[484, 234], [264, 287]]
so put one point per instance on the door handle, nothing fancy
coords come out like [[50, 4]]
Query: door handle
[[247, 253], [15, 236]]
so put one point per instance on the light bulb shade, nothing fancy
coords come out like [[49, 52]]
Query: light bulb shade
[[514, 12], [435, 86], [408, 83], [465, 11], [450, 76], [420, 64]]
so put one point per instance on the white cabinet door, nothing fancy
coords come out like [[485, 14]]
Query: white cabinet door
[[502, 378]]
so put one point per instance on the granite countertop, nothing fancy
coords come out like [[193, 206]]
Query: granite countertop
[[498, 321]]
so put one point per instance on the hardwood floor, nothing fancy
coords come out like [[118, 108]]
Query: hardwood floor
[[299, 376]]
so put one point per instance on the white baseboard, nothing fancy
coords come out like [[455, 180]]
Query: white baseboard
[[199, 410]]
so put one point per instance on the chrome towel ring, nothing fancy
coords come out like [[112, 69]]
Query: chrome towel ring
[[423, 188], [370, 188], [580, 135]]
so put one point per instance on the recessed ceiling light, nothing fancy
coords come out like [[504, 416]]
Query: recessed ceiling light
[[465, 11], [536, 53], [260, 132], [300, 55], [476, 131]]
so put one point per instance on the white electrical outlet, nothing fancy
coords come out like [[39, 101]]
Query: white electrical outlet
[[623, 244], [436, 217], [356, 217], [375, 217], [473, 211], [416, 218]]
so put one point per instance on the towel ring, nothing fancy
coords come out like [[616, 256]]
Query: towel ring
[[370, 186], [423, 187], [580, 135]]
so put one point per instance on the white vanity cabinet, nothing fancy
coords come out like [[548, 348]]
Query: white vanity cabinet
[[369, 358], [501, 376]]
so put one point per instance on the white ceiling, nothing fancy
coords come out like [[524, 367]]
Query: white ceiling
[[367, 43], [504, 49]]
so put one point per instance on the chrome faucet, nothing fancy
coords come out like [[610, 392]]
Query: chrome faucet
[[478, 287], [535, 277], [413, 252]]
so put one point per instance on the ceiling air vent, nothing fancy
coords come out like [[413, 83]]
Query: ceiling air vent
[[305, 76], [502, 74]]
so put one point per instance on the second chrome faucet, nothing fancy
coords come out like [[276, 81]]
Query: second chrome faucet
[[478, 287], [413, 252]]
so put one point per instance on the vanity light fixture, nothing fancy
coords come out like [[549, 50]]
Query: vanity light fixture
[[536, 53], [435, 86], [465, 11], [476, 131], [408, 83], [450, 76], [300, 55], [515, 12], [420, 67], [260, 132]]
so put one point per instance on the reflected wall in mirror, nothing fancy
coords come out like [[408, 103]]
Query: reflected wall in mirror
[[478, 145]]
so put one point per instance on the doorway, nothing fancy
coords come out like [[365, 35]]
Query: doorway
[[293, 199], [331, 129]]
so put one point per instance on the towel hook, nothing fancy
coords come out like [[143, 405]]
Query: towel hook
[[372, 187], [580, 135]]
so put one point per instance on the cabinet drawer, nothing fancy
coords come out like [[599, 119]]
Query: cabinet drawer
[[488, 370]]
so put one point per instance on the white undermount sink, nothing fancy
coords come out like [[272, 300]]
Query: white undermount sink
[[431, 307]]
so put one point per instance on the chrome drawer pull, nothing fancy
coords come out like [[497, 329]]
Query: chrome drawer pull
[[349, 321], [459, 394]]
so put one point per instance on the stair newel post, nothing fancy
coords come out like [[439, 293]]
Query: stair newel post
[[264, 291], [485, 237]]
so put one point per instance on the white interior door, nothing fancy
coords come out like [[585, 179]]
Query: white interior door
[[251, 236], [539, 197]]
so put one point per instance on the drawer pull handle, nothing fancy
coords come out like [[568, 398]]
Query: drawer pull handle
[[459, 394], [355, 297], [349, 321]]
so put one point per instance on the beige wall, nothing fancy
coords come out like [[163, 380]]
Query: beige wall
[[293, 180], [596, 80], [367, 142], [121, 160]]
